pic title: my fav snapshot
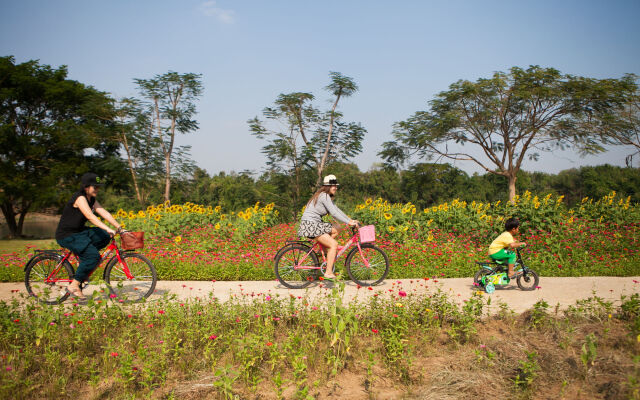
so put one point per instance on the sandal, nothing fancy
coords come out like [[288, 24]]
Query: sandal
[[76, 293], [330, 279]]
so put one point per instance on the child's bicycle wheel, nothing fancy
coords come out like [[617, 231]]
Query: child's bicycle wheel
[[477, 278], [528, 280]]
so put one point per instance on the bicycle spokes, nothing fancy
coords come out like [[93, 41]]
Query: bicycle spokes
[[131, 278], [47, 280], [368, 265]]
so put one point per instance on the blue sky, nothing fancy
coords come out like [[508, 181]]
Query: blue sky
[[400, 54]]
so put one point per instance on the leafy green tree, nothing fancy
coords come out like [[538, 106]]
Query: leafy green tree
[[427, 184], [141, 148], [340, 139], [232, 191], [301, 137], [289, 150], [623, 128], [172, 98], [51, 132], [509, 117]]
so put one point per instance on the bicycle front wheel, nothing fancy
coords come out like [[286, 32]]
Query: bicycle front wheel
[[296, 266], [528, 281], [47, 279], [142, 282], [368, 267]]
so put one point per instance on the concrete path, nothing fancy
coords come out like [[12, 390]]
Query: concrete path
[[562, 291]]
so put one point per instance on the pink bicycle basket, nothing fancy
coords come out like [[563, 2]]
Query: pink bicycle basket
[[367, 234]]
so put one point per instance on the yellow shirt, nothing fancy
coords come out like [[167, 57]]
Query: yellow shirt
[[501, 242]]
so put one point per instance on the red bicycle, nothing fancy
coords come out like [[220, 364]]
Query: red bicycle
[[130, 276], [297, 264]]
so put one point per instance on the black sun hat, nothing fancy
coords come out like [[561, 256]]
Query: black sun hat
[[91, 179]]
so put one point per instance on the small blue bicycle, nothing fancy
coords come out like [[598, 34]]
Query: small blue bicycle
[[494, 273]]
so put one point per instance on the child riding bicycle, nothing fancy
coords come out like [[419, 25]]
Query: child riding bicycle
[[501, 249]]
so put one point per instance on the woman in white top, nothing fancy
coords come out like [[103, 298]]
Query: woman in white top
[[312, 226]]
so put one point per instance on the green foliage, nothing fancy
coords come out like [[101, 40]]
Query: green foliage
[[171, 105], [340, 326], [302, 140], [509, 117], [266, 342], [589, 352], [527, 371], [539, 315], [47, 125]]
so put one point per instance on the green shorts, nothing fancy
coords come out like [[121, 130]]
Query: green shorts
[[504, 255]]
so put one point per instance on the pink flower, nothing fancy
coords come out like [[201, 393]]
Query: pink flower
[[160, 311], [402, 294], [114, 354], [267, 298], [213, 337], [113, 296]]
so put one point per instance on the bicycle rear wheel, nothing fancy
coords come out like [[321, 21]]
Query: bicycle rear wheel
[[47, 280], [140, 286], [369, 267], [289, 258]]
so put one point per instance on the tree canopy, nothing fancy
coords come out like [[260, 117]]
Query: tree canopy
[[50, 132], [508, 118], [301, 137], [171, 102]]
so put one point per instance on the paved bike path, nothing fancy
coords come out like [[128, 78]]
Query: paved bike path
[[562, 291]]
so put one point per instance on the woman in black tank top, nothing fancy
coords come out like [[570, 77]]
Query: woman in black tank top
[[75, 236]]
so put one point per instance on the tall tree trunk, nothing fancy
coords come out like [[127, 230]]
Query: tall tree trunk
[[10, 217], [167, 177], [133, 170], [21, 222], [512, 186]]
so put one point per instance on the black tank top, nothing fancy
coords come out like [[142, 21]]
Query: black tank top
[[72, 219]]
